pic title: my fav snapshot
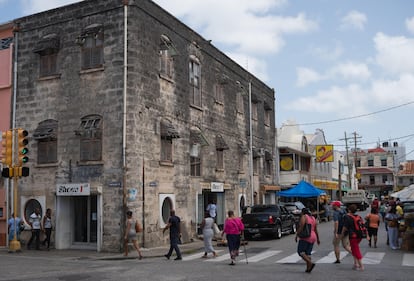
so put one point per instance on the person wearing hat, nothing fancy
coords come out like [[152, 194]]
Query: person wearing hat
[[338, 219]]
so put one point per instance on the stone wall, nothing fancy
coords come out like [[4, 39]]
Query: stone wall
[[150, 99]]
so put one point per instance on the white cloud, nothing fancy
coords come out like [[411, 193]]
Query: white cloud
[[328, 54], [394, 54], [354, 20], [306, 76], [392, 92], [354, 100], [36, 6], [351, 71], [252, 64], [409, 23], [344, 101], [252, 28]]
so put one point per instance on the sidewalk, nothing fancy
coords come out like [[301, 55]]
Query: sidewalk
[[195, 246]]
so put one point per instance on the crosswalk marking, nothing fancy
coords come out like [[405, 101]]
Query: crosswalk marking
[[373, 258], [370, 258], [330, 258], [220, 258], [263, 255], [293, 258], [197, 255], [408, 260]]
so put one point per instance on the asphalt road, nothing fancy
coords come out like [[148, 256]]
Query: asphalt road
[[267, 259]]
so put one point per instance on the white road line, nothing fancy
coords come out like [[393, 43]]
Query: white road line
[[262, 256], [373, 257], [199, 255], [226, 257], [408, 260], [330, 258], [293, 258]]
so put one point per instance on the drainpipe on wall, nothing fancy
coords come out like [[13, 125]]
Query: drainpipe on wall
[[124, 163]]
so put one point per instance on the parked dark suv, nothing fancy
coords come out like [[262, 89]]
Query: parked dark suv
[[268, 220], [295, 208]]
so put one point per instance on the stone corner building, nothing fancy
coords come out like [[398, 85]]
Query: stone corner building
[[128, 108]]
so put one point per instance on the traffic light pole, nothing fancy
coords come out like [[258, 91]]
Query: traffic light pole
[[14, 142], [15, 244]]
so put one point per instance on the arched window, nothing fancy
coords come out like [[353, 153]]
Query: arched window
[[30, 207]]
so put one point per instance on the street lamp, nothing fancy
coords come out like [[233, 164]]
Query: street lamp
[[250, 139]]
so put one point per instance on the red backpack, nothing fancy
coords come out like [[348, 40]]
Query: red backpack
[[359, 229]]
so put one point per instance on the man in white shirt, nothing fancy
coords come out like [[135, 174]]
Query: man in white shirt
[[36, 225], [212, 209]]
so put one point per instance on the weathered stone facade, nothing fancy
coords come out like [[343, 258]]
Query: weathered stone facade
[[131, 155]]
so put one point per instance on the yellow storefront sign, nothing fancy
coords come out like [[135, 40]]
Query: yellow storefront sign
[[324, 153]]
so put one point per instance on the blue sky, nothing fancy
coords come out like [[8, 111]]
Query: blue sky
[[350, 61]]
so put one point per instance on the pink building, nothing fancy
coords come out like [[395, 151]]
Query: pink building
[[6, 94]]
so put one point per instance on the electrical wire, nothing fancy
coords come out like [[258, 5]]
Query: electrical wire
[[351, 117]]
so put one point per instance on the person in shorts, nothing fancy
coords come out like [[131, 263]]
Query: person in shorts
[[338, 214]]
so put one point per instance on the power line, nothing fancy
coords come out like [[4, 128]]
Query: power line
[[352, 117], [374, 142]]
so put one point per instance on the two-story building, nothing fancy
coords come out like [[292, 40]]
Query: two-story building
[[375, 172], [128, 108], [294, 157]]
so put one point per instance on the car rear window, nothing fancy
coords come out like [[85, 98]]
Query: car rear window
[[261, 209]]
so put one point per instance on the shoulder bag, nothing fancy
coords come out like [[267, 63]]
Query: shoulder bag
[[306, 231]]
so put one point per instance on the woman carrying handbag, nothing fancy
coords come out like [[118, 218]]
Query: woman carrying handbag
[[305, 244]]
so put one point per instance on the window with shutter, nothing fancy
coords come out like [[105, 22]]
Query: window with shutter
[[46, 136], [90, 131], [194, 71]]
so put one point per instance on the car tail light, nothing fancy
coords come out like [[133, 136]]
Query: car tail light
[[271, 219]]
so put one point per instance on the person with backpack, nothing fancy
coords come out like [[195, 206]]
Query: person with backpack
[[338, 218], [354, 225]]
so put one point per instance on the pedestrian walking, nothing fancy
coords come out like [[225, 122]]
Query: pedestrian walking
[[354, 237], [14, 225], [373, 222], [47, 226], [36, 225], [212, 209], [233, 228], [338, 219], [391, 219], [175, 235], [208, 233], [130, 234], [305, 244]]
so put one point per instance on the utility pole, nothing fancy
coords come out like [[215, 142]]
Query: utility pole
[[339, 180], [356, 136], [347, 163]]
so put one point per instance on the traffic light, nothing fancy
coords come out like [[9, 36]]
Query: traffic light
[[22, 149], [7, 172], [21, 172], [7, 148]]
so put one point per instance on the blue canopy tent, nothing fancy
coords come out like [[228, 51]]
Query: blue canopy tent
[[304, 190]]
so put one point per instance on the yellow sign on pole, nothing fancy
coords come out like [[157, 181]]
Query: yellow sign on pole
[[324, 153]]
